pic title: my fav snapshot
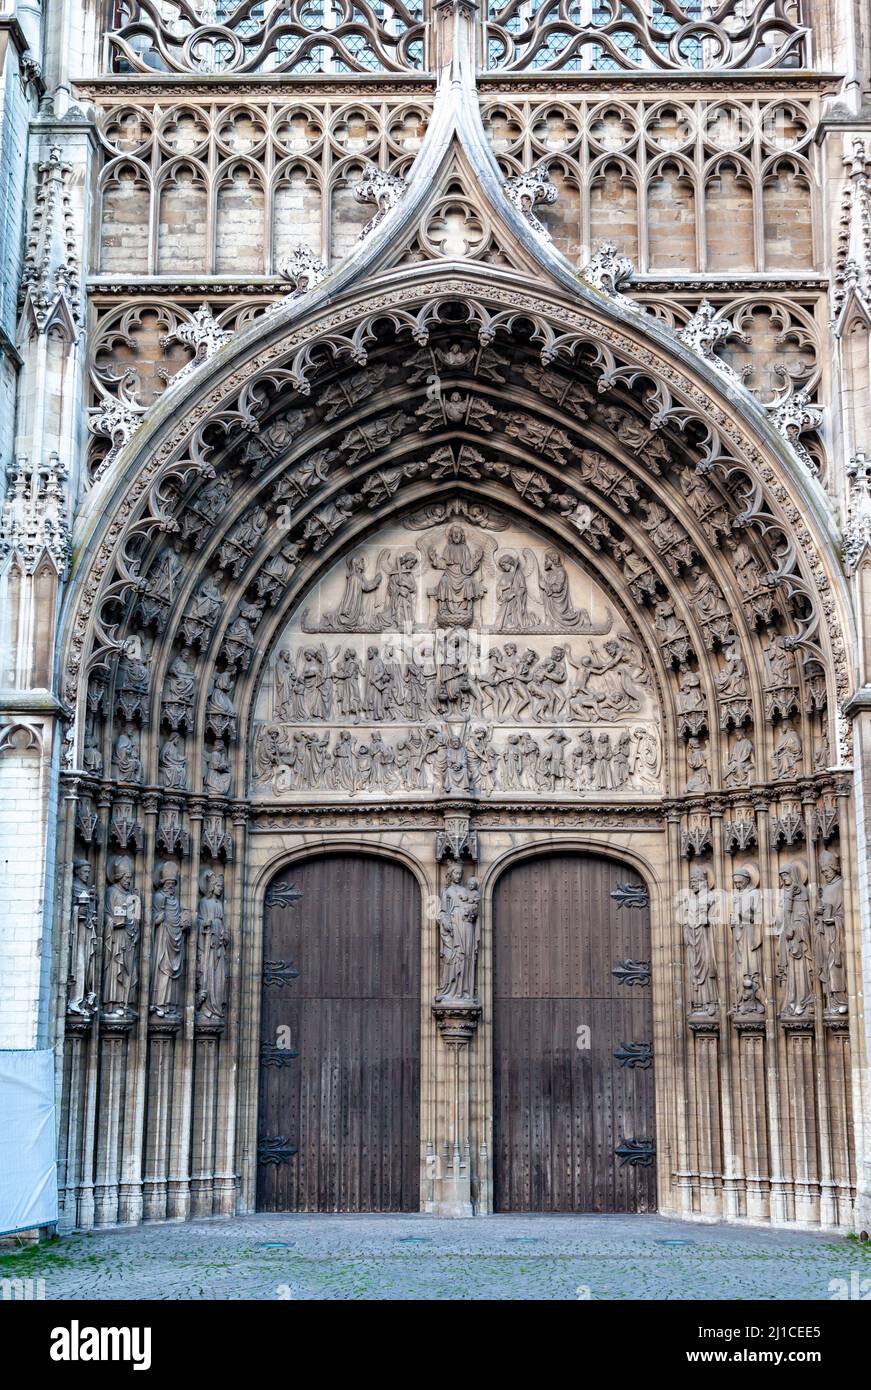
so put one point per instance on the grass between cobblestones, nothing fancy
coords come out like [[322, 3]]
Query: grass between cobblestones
[[407, 1257]]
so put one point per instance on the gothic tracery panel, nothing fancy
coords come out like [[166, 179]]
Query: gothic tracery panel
[[236, 36], [609, 36]]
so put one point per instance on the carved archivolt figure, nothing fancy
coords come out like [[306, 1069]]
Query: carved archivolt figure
[[699, 779], [670, 627], [173, 763], [691, 699], [171, 923], [698, 940], [207, 602], [746, 926], [731, 681], [212, 944], [123, 912], [705, 595], [830, 935], [92, 758], [458, 935], [741, 764], [794, 928], [220, 708], [780, 668], [786, 758], [217, 774], [126, 755], [747, 570], [83, 942]]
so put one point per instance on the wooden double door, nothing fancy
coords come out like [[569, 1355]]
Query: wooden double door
[[572, 1037], [340, 1038], [339, 1126]]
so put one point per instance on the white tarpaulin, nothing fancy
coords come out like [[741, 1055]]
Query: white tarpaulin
[[28, 1167]]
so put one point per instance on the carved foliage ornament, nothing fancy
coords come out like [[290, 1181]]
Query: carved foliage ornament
[[526, 191], [380, 188], [607, 270]]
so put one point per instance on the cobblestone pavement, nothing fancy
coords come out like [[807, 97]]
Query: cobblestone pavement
[[421, 1257]]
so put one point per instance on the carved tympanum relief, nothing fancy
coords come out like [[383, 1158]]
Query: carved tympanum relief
[[446, 659]]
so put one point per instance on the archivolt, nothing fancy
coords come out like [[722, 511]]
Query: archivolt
[[316, 425]]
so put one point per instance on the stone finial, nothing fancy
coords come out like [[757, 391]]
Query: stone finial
[[50, 278], [526, 191], [117, 419]]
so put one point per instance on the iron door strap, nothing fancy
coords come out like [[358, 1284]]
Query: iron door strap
[[279, 972], [630, 895], [634, 1054], [637, 1153], [273, 1055], [632, 972], [282, 895], [275, 1148]]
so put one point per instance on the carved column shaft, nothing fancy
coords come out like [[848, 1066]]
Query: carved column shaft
[[135, 1106]]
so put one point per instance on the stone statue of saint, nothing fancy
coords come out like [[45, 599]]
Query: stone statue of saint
[[786, 758], [830, 934], [794, 928], [699, 943], [458, 935], [123, 912], [173, 763], [746, 925], [81, 998], [171, 924], [212, 944]]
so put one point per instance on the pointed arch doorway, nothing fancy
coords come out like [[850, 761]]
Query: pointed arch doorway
[[574, 1120], [339, 1111]]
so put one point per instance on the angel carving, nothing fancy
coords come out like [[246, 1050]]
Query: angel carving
[[512, 593]]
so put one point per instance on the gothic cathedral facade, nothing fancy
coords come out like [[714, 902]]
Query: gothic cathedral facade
[[435, 739]]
